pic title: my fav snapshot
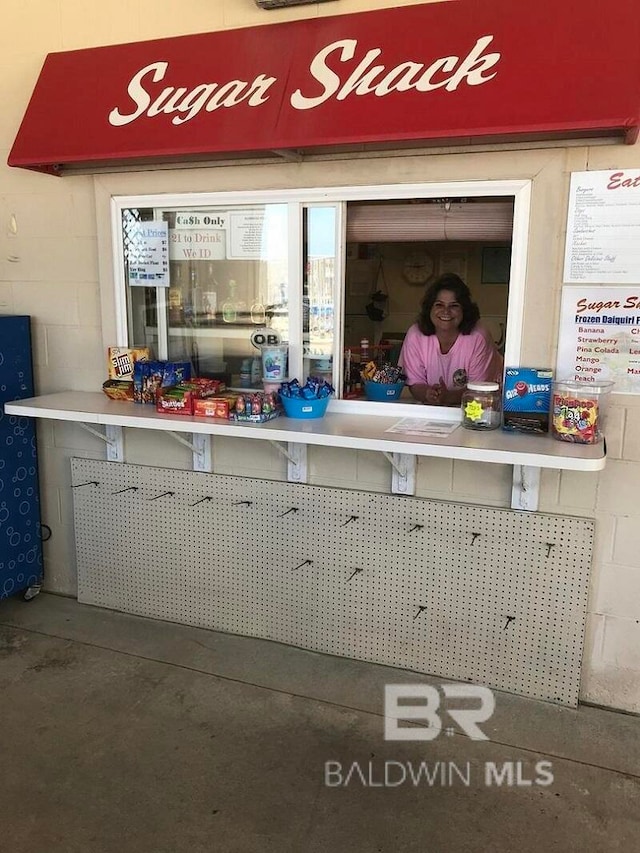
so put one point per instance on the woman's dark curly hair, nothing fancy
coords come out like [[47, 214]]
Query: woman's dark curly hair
[[452, 282]]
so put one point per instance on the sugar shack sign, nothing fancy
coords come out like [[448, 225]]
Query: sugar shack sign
[[447, 71], [151, 97]]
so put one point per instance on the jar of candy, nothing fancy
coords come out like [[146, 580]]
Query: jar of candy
[[481, 405], [578, 409]]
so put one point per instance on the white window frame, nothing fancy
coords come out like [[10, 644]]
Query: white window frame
[[296, 199]]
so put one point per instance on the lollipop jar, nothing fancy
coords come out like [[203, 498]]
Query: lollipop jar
[[481, 405]]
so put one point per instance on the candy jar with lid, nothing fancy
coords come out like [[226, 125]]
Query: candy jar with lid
[[481, 405]]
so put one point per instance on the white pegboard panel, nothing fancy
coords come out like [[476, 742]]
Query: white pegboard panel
[[454, 590]]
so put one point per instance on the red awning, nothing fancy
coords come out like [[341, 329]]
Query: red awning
[[462, 71]]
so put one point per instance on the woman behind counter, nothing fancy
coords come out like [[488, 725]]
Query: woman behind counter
[[447, 347]]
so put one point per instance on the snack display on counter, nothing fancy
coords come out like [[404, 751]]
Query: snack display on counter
[[526, 399], [306, 401], [170, 387]]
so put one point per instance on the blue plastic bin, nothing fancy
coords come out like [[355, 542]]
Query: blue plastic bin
[[297, 407], [383, 392]]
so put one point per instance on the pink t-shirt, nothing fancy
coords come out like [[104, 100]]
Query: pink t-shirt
[[473, 357]]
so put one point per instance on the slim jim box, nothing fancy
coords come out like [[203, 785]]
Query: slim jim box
[[526, 399]]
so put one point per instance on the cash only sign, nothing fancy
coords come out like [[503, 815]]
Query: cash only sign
[[437, 72]]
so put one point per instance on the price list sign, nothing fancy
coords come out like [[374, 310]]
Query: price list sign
[[600, 336], [148, 254], [603, 228]]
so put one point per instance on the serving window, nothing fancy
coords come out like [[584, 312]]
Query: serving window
[[322, 270]]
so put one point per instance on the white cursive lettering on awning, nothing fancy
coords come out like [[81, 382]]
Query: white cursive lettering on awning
[[208, 96], [366, 78], [377, 80]]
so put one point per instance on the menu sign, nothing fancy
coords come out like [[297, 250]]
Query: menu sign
[[148, 254], [600, 336], [603, 228]]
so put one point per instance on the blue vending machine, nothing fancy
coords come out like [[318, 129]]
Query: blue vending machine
[[20, 535]]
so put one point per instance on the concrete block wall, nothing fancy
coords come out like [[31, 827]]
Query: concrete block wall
[[612, 656], [52, 269]]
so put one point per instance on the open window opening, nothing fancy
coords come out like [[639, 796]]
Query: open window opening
[[396, 249], [321, 270]]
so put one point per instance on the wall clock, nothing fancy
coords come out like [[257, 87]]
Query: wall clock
[[418, 267]]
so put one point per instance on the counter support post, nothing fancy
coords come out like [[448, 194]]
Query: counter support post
[[115, 443], [297, 467], [200, 446], [112, 437], [403, 472], [202, 453], [296, 455], [525, 493]]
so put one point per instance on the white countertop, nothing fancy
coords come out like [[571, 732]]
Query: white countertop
[[354, 430]]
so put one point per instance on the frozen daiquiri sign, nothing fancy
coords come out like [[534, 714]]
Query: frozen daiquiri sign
[[600, 336], [443, 71]]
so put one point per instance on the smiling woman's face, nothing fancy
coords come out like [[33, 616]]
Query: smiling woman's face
[[446, 314]]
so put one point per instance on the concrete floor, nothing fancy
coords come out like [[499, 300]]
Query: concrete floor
[[127, 734]]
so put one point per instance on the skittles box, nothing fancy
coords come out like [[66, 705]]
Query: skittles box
[[526, 399]]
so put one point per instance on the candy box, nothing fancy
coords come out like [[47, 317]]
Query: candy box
[[213, 407], [121, 360], [175, 372], [118, 389], [148, 376], [174, 401], [204, 387], [180, 399], [526, 399], [255, 408]]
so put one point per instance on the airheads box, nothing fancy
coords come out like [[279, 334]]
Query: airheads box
[[526, 399]]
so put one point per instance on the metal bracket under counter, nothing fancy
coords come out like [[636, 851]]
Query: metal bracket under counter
[[113, 436], [403, 472], [351, 428], [524, 494], [200, 446]]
